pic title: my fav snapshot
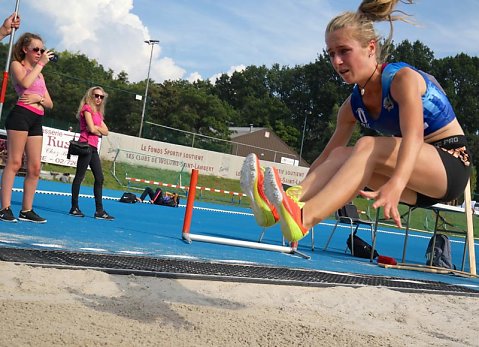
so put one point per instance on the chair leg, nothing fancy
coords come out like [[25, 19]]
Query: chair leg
[[375, 234], [262, 234], [434, 238], [330, 236], [372, 241], [406, 234], [312, 239], [352, 239]]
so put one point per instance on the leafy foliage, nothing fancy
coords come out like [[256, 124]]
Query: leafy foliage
[[283, 98]]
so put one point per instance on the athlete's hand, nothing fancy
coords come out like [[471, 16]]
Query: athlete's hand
[[386, 197]]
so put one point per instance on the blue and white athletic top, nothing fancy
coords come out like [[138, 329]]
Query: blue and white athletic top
[[437, 109]]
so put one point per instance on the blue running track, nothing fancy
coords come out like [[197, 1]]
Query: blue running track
[[155, 231]]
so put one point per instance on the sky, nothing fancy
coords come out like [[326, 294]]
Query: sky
[[201, 39]]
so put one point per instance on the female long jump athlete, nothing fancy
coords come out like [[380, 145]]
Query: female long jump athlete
[[420, 159]]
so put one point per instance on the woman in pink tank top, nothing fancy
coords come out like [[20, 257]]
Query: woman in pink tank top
[[24, 124], [92, 127]]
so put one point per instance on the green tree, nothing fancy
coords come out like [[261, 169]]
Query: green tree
[[280, 98], [459, 76], [192, 108], [415, 54]]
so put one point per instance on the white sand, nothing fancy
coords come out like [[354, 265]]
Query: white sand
[[50, 307]]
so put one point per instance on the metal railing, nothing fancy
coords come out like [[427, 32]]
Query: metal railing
[[194, 140]]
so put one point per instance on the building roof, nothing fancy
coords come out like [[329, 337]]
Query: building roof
[[240, 131]]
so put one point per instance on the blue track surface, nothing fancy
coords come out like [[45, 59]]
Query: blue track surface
[[150, 230]]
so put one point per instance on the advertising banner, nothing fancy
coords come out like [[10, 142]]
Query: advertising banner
[[55, 146], [161, 155]]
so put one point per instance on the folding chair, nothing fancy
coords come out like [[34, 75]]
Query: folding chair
[[469, 238], [348, 214]]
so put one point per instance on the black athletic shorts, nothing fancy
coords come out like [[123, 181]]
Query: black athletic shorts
[[457, 162], [22, 119]]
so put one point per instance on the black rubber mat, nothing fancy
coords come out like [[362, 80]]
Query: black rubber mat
[[188, 269]]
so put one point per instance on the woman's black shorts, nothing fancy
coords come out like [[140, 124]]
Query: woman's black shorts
[[22, 119], [457, 162]]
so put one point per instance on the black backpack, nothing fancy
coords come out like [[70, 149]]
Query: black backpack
[[362, 249], [128, 198], [442, 252]]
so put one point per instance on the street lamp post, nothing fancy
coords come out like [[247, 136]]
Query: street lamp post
[[302, 137], [151, 43]]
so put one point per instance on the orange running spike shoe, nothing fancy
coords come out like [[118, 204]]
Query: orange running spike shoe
[[288, 205], [251, 181]]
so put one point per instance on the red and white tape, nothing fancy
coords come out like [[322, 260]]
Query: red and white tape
[[183, 187]]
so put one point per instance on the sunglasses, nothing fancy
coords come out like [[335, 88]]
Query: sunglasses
[[37, 49], [99, 96]]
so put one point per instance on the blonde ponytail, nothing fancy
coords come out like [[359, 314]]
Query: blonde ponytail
[[362, 21]]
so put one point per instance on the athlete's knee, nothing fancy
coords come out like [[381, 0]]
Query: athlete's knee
[[365, 144], [365, 141], [340, 153]]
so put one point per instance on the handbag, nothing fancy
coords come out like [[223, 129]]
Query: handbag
[[78, 148]]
